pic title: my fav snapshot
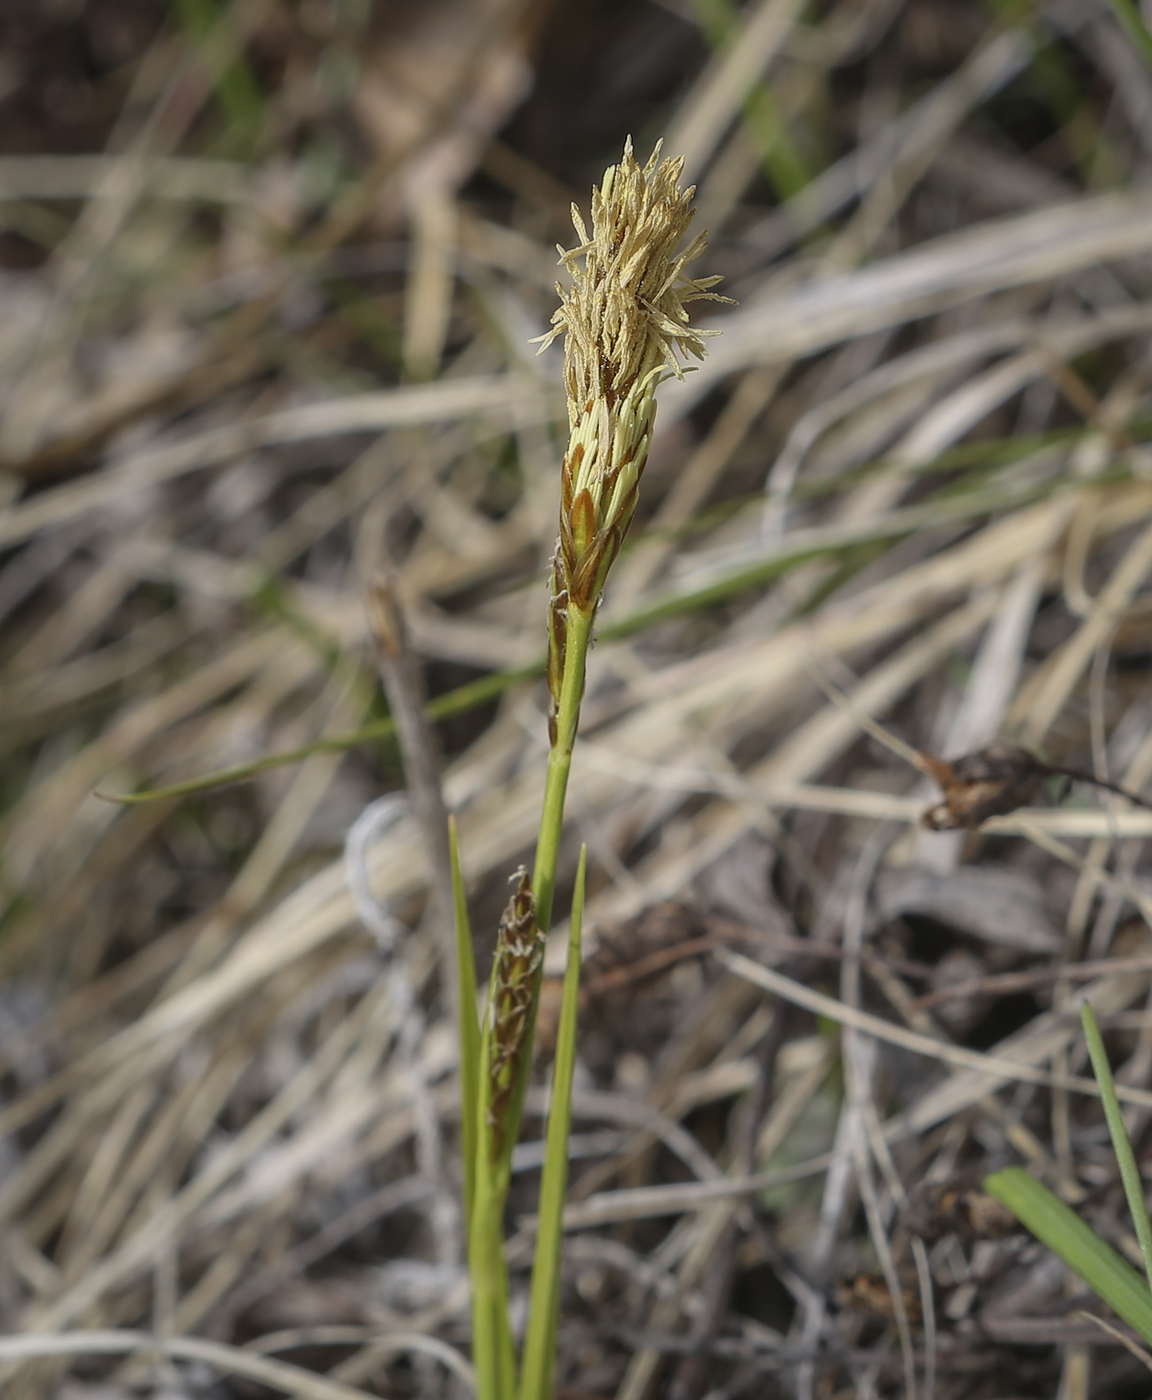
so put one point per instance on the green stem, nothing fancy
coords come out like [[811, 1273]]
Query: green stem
[[493, 1353], [1085, 1253], [492, 1348], [539, 1361], [1132, 22], [579, 634], [1121, 1144], [470, 1048]]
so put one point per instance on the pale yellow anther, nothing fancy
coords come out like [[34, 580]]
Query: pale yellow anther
[[626, 328]]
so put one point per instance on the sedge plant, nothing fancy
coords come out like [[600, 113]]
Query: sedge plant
[[1042, 1212], [624, 322]]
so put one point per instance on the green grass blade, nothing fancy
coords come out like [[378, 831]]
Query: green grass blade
[[676, 603], [493, 1354], [225, 777], [1065, 1234], [235, 86], [1132, 22], [459, 701], [1125, 1157], [469, 1026], [544, 1303]]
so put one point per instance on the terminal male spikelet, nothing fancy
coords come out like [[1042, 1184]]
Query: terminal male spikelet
[[623, 321]]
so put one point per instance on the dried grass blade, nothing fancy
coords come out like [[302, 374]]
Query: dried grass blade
[[727, 81], [459, 701], [278, 1375], [360, 413], [996, 1066], [987, 257]]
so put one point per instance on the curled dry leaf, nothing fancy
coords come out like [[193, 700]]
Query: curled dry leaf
[[993, 782], [958, 1207]]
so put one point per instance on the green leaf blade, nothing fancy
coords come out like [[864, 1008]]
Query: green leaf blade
[[544, 1304], [1125, 1157], [469, 1025], [493, 1352], [1066, 1235], [1132, 22]]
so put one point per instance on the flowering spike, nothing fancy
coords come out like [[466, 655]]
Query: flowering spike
[[515, 981], [625, 327]]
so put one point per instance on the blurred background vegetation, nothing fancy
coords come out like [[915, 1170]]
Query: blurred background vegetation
[[268, 276]]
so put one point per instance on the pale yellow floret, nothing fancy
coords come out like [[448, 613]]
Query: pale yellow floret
[[626, 328]]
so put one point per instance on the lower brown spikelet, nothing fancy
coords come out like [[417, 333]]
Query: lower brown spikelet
[[515, 979]]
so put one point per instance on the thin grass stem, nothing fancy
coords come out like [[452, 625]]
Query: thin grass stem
[[493, 1354], [544, 1301], [559, 763], [1061, 1229], [469, 1026], [1132, 22], [1121, 1145]]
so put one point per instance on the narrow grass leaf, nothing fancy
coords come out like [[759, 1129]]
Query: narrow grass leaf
[[235, 85], [1125, 1157], [469, 1026], [803, 546], [1122, 1337], [1132, 22], [459, 701], [1085, 1253], [493, 1354], [544, 1303]]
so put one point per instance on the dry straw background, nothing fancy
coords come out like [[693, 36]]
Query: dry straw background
[[268, 272]]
